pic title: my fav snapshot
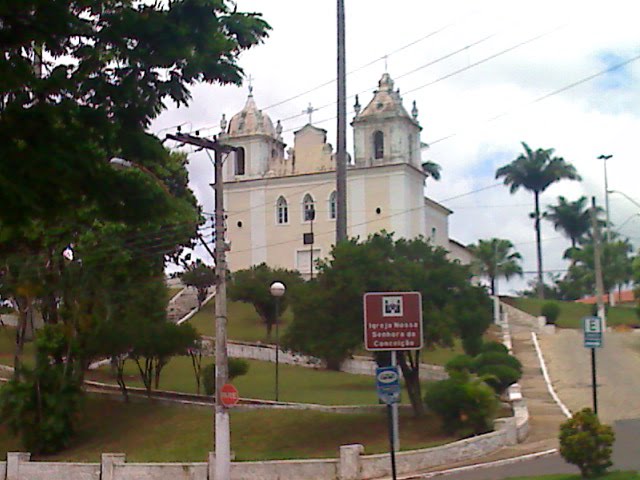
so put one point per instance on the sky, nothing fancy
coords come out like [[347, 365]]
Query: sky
[[485, 76]]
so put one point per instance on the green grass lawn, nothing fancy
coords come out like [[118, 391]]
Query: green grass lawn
[[296, 384], [609, 476], [151, 432], [571, 313], [8, 346], [243, 323]]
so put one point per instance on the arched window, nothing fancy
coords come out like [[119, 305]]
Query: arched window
[[378, 144], [240, 161], [308, 208], [282, 211], [333, 207]]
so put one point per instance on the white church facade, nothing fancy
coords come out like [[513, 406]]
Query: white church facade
[[273, 196]]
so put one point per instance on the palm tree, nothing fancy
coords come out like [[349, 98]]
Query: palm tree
[[572, 218], [494, 258], [536, 171]]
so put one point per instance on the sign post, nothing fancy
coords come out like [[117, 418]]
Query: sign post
[[392, 321], [592, 328]]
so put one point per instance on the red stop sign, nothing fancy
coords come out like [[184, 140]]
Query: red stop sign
[[229, 395]]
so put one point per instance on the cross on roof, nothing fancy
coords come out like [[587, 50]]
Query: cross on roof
[[309, 111], [250, 81]]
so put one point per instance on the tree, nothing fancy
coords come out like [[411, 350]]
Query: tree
[[494, 258], [108, 68], [586, 443], [573, 219], [252, 286], [616, 264], [535, 171], [328, 311], [201, 277]]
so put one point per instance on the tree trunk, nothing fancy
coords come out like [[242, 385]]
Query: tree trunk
[[540, 288], [410, 367], [21, 332], [493, 286]]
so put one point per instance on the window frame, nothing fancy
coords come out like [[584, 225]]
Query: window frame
[[282, 211]]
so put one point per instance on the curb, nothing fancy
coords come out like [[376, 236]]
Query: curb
[[496, 463], [547, 379]]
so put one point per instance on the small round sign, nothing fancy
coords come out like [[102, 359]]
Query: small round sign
[[229, 395]]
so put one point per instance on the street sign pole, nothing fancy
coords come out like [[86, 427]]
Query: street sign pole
[[594, 385], [394, 409], [593, 328], [392, 441]]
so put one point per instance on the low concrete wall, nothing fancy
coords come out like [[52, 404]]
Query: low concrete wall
[[285, 470], [161, 471], [350, 465], [59, 471], [358, 365], [374, 466]]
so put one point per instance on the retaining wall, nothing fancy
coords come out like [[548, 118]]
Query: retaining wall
[[351, 464], [356, 365]]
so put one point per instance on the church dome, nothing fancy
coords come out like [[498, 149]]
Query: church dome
[[385, 103], [251, 121]]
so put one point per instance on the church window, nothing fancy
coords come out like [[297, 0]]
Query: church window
[[282, 211], [308, 208], [333, 206], [378, 144], [240, 165]]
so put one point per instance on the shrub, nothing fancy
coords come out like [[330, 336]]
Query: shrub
[[551, 311], [499, 377], [586, 443], [494, 347], [460, 363], [497, 358], [237, 368], [464, 404], [472, 345]]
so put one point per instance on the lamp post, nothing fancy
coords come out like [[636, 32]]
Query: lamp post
[[277, 290], [604, 158]]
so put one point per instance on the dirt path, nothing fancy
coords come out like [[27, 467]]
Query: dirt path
[[618, 372]]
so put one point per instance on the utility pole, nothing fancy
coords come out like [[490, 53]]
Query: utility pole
[[598, 264], [221, 422], [341, 151], [604, 158]]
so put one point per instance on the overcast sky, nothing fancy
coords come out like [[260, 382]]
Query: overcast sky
[[485, 76]]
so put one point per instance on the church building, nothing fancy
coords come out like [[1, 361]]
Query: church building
[[276, 197]]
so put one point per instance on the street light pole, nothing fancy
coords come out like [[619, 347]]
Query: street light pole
[[277, 290], [606, 194]]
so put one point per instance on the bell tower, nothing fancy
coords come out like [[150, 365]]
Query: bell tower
[[384, 132]]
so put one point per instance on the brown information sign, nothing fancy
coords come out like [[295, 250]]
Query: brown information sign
[[392, 321]]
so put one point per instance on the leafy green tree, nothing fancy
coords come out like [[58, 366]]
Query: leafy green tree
[[587, 443], [495, 258], [573, 219], [108, 68], [616, 264], [535, 171], [201, 277], [40, 406], [252, 286], [155, 344], [328, 311]]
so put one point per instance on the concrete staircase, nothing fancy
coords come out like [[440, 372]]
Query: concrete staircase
[[182, 304]]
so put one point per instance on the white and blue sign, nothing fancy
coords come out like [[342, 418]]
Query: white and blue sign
[[388, 384], [592, 328]]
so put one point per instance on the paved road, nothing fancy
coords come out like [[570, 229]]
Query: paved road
[[626, 456], [618, 372]]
